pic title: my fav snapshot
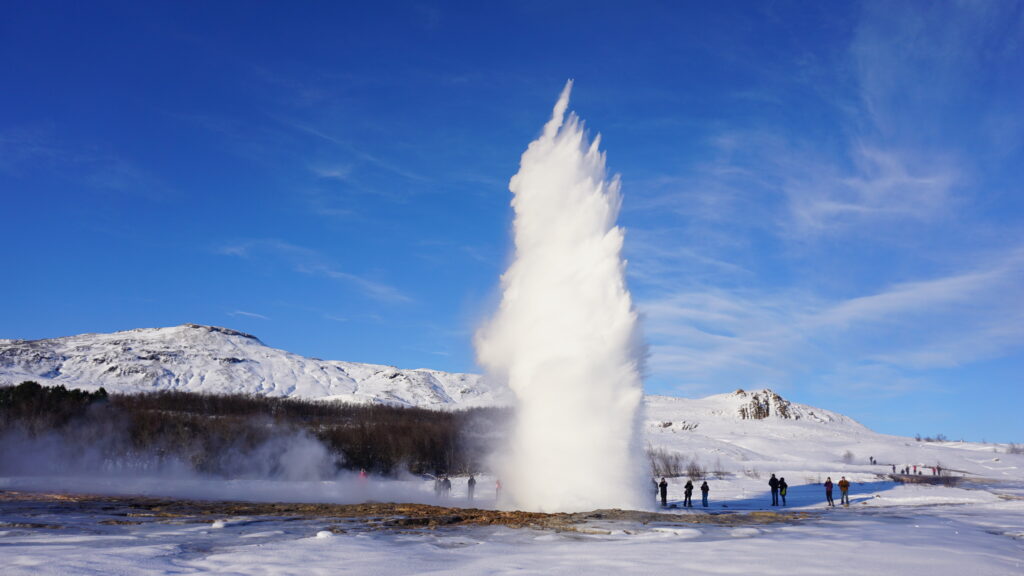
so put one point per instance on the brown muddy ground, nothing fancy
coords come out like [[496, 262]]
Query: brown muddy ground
[[371, 515]]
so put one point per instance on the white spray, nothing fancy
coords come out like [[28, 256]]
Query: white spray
[[566, 336]]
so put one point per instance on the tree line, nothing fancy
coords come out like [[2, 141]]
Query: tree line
[[200, 429]]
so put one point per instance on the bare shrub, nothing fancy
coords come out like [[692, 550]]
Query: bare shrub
[[695, 471], [848, 457], [1015, 448], [665, 463], [752, 473], [719, 472]]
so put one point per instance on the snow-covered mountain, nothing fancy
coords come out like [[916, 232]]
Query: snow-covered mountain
[[216, 360]]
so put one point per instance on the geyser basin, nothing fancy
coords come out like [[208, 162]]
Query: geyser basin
[[566, 336]]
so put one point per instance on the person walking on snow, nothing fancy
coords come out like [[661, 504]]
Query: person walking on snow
[[471, 486], [663, 486], [782, 489], [704, 489], [828, 492], [774, 484], [844, 487], [688, 494]]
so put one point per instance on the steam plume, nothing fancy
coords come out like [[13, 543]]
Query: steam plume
[[566, 336]]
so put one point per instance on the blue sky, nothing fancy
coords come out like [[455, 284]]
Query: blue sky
[[822, 198]]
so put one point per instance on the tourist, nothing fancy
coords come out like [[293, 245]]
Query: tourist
[[663, 485], [688, 494], [828, 491], [782, 489], [704, 489], [844, 489], [470, 487], [774, 484]]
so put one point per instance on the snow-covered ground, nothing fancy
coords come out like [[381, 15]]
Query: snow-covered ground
[[888, 529]]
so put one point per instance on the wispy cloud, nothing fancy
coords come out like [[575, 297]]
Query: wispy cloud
[[248, 314], [882, 186], [360, 154], [26, 150], [710, 334], [376, 290], [308, 261], [856, 260], [339, 172]]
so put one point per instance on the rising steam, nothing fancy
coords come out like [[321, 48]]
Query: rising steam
[[566, 337]]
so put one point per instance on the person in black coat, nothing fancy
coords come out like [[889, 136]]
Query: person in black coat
[[471, 486], [688, 494], [782, 489], [774, 484], [663, 486], [704, 489]]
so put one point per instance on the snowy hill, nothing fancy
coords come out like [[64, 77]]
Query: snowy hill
[[216, 360], [800, 441]]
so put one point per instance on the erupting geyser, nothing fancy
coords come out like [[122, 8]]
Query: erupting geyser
[[566, 337]]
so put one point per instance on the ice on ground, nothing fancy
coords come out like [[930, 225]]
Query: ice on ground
[[680, 532]]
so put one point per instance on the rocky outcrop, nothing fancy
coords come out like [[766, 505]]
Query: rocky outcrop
[[762, 404]]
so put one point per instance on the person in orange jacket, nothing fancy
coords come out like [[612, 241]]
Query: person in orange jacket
[[844, 489]]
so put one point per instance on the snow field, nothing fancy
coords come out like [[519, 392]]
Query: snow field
[[935, 543]]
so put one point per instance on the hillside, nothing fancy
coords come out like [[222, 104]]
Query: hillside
[[214, 360], [801, 441]]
